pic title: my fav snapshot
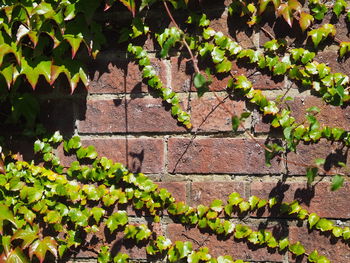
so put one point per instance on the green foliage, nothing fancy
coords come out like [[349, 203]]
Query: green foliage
[[35, 38]]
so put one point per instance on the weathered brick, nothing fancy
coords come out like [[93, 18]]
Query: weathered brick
[[108, 78], [333, 249], [144, 155], [329, 115], [118, 244], [210, 114], [220, 246], [264, 81], [307, 153], [317, 199], [205, 192], [104, 116], [330, 57], [182, 74], [177, 189], [139, 115], [333, 116], [122, 76], [151, 115], [217, 155]]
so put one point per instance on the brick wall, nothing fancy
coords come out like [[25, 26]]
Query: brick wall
[[121, 118]]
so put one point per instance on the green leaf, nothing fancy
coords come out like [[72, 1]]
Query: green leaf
[[17, 256], [305, 20], [117, 219], [337, 182], [346, 233], [313, 219], [242, 231], [97, 213], [283, 243], [324, 225], [297, 249], [200, 83], [223, 66], [28, 235], [235, 123], [339, 7], [218, 55], [317, 35], [311, 173], [41, 246], [216, 205], [313, 257], [337, 231]]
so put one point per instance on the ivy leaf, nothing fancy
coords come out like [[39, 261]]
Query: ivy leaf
[[130, 4], [313, 257], [313, 219], [324, 225], [283, 243], [305, 20], [339, 7], [218, 55], [97, 213], [28, 235], [316, 35], [319, 11], [41, 246], [74, 41], [337, 231], [117, 219], [344, 48], [311, 173], [223, 66], [287, 10], [216, 205], [17, 256], [337, 182], [297, 249], [242, 231]]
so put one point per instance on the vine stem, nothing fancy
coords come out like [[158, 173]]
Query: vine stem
[[193, 58]]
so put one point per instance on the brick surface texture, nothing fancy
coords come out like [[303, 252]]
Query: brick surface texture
[[126, 123]]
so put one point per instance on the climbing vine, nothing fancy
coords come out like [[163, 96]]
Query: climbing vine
[[49, 211]]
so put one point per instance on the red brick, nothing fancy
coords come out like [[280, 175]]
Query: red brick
[[182, 74], [177, 189], [150, 115], [122, 76], [219, 247], [110, 79], [210, 114], [118, 243], [144, 155], [332, 116], [334, 250], [330, 57], [217, 155], [104, 116], [318, 199], [140, 115], [263, 81], [205, 192], [306, 154]]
